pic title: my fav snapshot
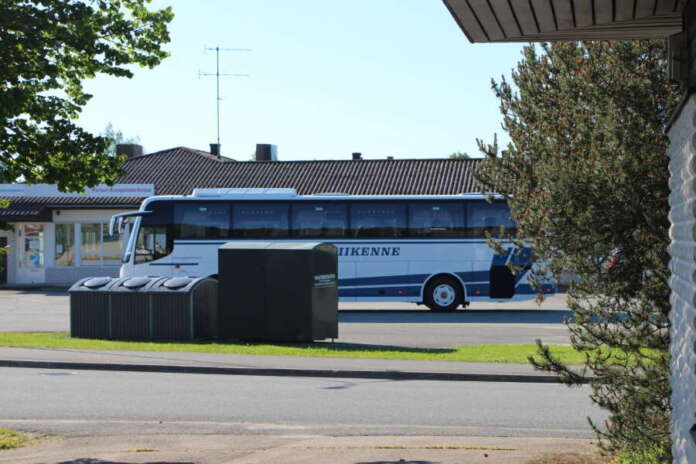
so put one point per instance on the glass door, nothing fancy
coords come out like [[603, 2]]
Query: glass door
[[31, 253]]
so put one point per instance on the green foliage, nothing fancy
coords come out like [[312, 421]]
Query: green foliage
[[651, 455], [459, 155], [48, 48], [115, 137], [587, 181], [9, 439], [473, 353]]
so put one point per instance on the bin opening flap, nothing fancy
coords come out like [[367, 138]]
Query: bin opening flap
[[177, 282], [136, 282], [97, 282]]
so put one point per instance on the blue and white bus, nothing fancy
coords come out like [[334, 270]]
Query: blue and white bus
[[429, 250]]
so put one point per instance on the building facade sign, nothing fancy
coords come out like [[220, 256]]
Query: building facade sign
[[99, 191]]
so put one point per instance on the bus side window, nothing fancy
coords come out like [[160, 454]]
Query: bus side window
[[378, 219], [195, 220], [436, 219], [485, 217], [261, 220], [319, 220]]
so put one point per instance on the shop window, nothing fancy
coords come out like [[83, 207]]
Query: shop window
[[65, 244], [112, 247], [90, 248], [97, 247]]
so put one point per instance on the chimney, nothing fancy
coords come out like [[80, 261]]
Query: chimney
[[129, 149], [266, 152], [215, 149], [357, 156]]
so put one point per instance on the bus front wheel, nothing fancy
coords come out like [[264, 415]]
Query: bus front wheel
[[443, 294]]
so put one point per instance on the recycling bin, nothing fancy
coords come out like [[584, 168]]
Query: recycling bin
[[130, 308], [184, 308], [278, 291], [90, 307]]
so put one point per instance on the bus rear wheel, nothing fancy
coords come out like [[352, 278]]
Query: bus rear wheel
[[443, 294]]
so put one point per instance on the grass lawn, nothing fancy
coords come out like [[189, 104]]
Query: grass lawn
[[477, 353], [10, 439]]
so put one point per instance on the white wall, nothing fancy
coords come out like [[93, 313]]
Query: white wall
[[682, 168]]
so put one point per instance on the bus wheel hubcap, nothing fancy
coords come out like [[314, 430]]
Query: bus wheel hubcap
[[444, 295]]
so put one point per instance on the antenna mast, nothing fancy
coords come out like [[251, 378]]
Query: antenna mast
[[217, 75]]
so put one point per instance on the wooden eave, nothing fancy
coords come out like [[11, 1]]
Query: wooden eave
[[551, 20]]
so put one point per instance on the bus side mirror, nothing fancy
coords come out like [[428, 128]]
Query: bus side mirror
[[117, 225], [121, 225], [112, 225]]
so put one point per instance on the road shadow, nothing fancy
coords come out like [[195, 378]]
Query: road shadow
[[100, 461], [494, 316]]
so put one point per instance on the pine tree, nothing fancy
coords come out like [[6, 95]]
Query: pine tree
[[587, 181]]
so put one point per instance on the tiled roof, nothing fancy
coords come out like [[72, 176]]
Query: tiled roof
[[178, 171], [26, 209]]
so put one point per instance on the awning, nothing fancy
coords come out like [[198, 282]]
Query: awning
[[549, 20], [33, 209]]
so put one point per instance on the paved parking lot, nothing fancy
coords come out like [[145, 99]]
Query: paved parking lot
[[397, 324]]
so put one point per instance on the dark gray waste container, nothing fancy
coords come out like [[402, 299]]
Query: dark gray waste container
[[284, 291], [184, 308], [130, 307], [89, 307]]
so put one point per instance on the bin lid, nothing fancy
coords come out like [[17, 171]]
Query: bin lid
[[136, 282], [96, 282], [177, 282]]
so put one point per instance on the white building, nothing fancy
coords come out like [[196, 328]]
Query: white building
[[58, 238]]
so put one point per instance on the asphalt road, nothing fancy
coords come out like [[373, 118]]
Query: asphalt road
[[397, 324], [103, 403]]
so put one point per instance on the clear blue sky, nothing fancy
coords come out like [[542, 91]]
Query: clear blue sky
[[327, 78]]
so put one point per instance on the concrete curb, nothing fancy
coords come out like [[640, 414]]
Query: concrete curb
[[277, 372]]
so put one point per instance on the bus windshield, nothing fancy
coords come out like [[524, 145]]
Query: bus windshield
[[154, 240]]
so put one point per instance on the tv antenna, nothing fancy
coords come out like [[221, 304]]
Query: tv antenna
[[218, 74]]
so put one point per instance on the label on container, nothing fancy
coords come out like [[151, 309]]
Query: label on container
[[324, 280]]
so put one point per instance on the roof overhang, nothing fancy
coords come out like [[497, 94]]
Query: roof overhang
[[550, 20]]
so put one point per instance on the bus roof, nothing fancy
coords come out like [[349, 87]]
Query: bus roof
[[291, 194]]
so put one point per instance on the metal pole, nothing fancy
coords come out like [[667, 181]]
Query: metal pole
[[217, 78], [217, 75]]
